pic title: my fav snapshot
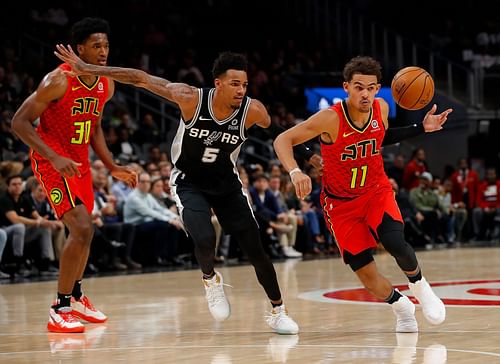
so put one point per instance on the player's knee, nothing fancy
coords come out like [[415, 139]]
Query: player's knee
[[394, 243], [203, 237], [199, 227], [82, 232], [358, 261]]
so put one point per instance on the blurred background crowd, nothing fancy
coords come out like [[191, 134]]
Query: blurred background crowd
[[446, 186]]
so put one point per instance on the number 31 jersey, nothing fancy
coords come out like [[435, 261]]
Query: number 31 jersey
[[205, 150], [67, 125]]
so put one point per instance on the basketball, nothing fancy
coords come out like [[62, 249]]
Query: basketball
[[412, 88]]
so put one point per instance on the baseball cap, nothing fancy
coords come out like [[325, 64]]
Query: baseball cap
[[427, 176]]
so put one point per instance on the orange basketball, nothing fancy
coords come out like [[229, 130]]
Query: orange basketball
[[412, 88]]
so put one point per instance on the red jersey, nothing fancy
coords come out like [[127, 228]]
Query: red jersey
[[353, 164], [67, 125]]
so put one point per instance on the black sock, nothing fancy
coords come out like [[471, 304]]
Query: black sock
[[63, 300], [415, 277], [276, 304], [77, 290], [393, 297]]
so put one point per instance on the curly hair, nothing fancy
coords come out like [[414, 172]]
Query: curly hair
[[84, 28], [362, 65], [229, 60]]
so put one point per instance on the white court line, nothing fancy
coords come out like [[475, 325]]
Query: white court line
[[298, 346]]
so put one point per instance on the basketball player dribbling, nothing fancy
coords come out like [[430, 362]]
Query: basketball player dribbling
[[357, 199], [70, 111], [214, 124]]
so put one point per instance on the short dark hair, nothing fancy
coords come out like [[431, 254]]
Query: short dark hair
[[363, 65], [15, 176], [260, 176], [84, 28], [229, 60]]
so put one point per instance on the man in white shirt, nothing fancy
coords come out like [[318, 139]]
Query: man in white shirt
[[160, 225]]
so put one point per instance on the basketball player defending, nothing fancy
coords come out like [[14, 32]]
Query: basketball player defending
[[70, 110], [214, 124], [357, 198]]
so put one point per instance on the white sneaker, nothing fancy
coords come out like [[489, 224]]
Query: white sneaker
[[432, 306], [290, 252], [404, 309], [217, 301], [85, 310], [280, 322]]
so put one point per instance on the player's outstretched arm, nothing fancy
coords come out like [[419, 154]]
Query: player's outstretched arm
[[175, 92], [430, 124]]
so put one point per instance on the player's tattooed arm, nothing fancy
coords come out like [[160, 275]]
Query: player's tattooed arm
[[179, 93]]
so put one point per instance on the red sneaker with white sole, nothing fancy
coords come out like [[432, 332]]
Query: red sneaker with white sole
[[85, 310], [63, 320]]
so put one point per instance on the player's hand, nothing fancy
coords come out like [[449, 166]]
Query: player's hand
[[66, 166], [302, 184], [317, 163], [125, 174], [67, 55], [434, 122]]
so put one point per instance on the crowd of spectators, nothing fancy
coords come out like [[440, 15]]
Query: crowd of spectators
[[140, 228]]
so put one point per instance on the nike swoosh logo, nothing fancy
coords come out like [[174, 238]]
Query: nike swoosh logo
[[202, 118], [74, 88], [347, 134]]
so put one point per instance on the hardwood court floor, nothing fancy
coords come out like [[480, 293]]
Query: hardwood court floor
[[163, 317]]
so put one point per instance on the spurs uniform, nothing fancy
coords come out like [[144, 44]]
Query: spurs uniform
[[67, 126], [204, 152], [356, 191]]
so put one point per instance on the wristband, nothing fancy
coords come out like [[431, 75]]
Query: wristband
[[295, 170]]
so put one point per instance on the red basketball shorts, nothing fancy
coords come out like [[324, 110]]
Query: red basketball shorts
[[351, 221], [63, 193]]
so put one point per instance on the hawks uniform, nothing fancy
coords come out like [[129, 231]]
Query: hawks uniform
[[356, 191], [67, 126]]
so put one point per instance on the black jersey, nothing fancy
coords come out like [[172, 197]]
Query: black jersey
[[205, 150]]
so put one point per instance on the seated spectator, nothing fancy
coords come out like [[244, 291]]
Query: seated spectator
[[286, 239], [24, 224], [465, 182], [396, 170], [456, 212], [3, 242], [159, 186], [428, 204], [413, 169], [315, 240], [149, 133], [165, 168], [108, 221], [412, 218], [39, 200], [267, 207], [154, 223], [488, 207]]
